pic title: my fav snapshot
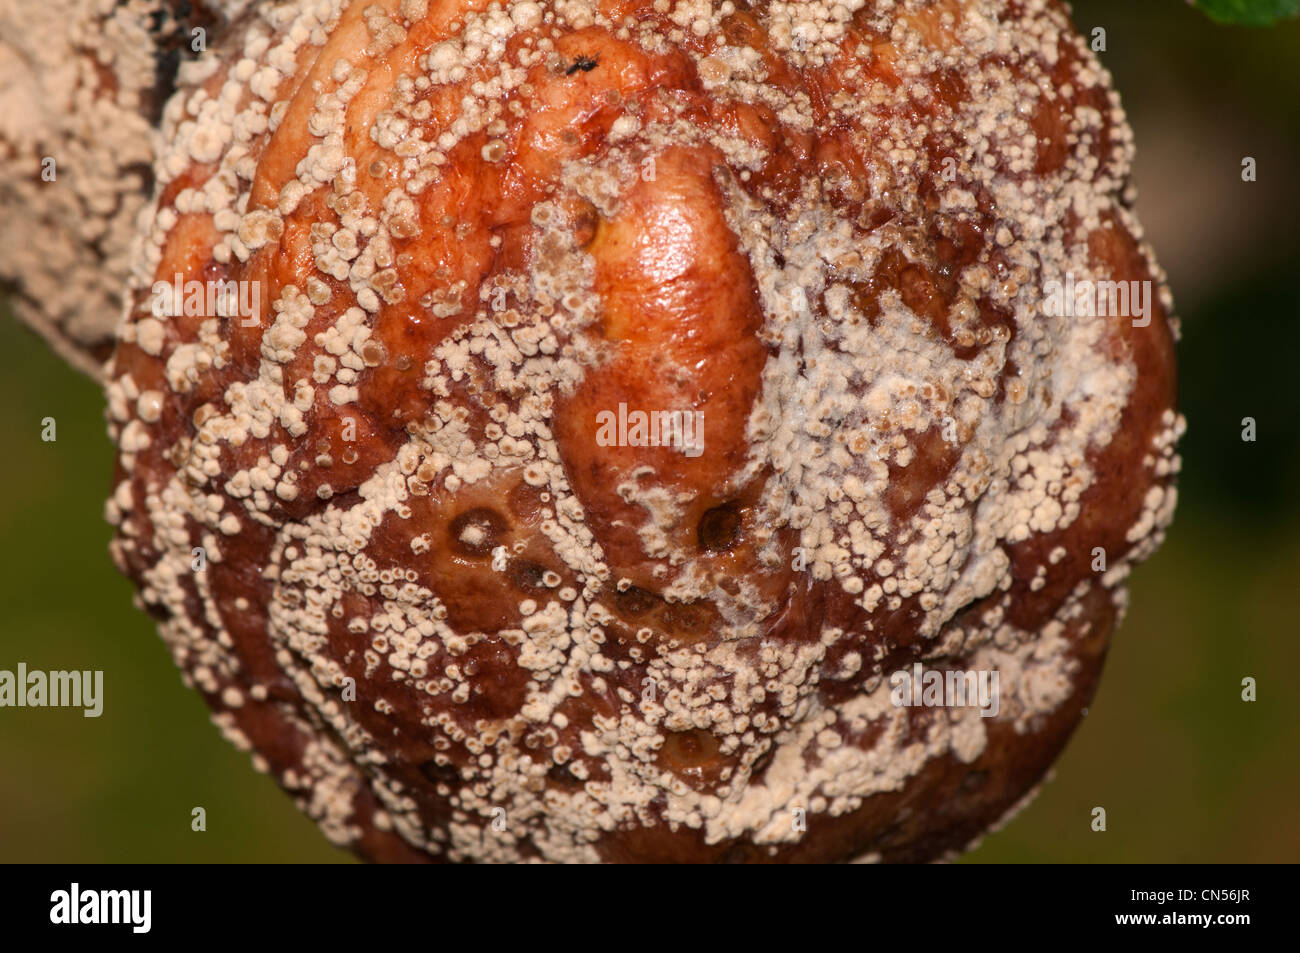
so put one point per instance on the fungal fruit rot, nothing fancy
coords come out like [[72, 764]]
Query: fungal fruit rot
[[406, 261]]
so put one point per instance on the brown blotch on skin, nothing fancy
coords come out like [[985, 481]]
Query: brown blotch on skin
[[530, 577], [477, 532], [719, 529]]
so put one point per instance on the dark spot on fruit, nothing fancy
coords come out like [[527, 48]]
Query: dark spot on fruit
[[719, 529], [529, 576], [478, 531]]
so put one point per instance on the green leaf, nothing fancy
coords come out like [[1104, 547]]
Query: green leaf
[[1250, 12]]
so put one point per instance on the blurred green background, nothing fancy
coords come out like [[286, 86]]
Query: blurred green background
[[1185, 769]]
